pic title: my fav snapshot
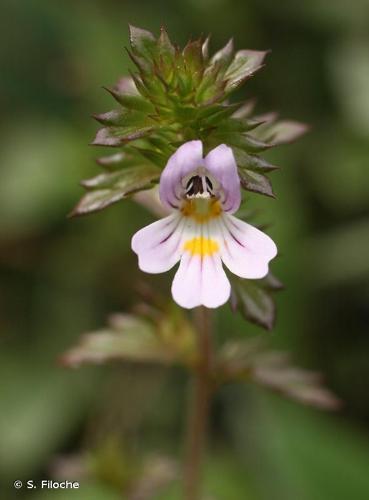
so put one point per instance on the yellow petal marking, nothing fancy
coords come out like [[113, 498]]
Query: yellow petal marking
[[201, 210], [204, 247]]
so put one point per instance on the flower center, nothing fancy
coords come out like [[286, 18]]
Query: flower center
[[201, 196], [201, 210], [199, 186]]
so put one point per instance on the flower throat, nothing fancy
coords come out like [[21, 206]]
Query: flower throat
[[199, 186]]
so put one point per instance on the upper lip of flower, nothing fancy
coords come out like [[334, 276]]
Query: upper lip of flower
[[201, 232], [217, 172]]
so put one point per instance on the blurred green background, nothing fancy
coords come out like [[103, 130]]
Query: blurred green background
[[62, 277]]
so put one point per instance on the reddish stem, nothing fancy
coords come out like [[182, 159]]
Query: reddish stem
[[198, 409]]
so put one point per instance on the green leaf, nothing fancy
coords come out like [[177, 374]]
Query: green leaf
[[154, 156], [271, 282], [252, 162], [142, 41], [128, 338], [131, 101], [95, 201], [243, 141], [209, 89], [238, 125], [283, 132], [143, 64], [275, 371], [105, 137], [192, 54], [243, 66], [255, 182], [117, 161], [254, 302], [250, 361], [123, 118], [224, 56], [111, 160], [125, 85], [116, 136], [165, 46], [111, 187], [205, 48], [245, 110], [127, 179], [141, 88], [210, 116], [157, 335]]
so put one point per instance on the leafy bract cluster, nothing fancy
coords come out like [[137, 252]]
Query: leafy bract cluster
[[175, 96], [162, 335]]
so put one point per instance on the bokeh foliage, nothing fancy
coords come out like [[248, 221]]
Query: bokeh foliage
[[62, 277]]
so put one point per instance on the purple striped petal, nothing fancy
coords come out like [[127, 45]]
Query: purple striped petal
[[221, 163], [187, 158], [245, 250], [159, 245]]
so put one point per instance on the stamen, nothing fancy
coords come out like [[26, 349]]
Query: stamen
[[204, 184], [199, 187]]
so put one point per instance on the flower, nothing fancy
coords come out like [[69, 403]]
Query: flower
[[201, 232]]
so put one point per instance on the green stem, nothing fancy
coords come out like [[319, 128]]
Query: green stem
[[198, 408]]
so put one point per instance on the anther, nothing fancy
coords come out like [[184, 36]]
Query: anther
[[199, 187]]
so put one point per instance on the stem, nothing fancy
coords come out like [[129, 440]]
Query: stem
[[198, 408]]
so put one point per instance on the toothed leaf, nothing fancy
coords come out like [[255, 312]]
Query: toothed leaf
[[142, 41], [192, 54], [165, 46], [122, 118], [106, 189], [254, 302], [134, 341], [255, 182], [243, 141], [118, 161], [132, 101], [156, 335], [284, 132], [205, 49], [224, 56], [243, 66], [252, 162], [250, 361], [117, 136]]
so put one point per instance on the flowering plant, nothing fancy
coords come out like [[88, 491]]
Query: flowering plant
[[176, 127]]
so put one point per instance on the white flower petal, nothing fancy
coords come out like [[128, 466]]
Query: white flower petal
[[200, 279], [159, 245], [245, 250]]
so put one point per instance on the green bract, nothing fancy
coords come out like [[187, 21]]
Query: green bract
[[175, 96], [163, 335], [254, 299]]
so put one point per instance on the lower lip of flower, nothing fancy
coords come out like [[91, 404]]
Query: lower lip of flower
[[201, 210]]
